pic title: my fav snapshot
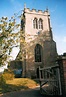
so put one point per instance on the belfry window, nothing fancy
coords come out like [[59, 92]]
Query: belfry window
[[40, 24], [38, 50], [35, 23]]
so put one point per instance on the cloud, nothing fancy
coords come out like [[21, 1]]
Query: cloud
[[64, 39], [14, 52], [60, 43]]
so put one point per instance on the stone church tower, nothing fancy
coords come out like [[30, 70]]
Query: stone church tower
[[39, 46]]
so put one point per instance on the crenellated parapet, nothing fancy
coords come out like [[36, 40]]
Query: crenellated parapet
[[34, 11]]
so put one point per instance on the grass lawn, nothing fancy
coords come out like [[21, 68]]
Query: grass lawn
[[18, 84]]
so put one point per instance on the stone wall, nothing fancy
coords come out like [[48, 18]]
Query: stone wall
[[64, 73], [43, 37], [62, 66]]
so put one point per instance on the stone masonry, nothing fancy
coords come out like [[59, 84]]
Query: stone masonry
[[39, 48]]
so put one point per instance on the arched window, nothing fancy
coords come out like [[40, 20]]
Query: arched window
[[35, 23], [38, 53], [40, 24]]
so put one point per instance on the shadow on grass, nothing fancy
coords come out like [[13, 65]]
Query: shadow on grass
[[10, 88]]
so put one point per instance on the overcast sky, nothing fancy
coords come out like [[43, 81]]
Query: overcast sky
[[57, 9]]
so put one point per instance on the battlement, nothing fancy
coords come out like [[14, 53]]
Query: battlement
[[34, 11]]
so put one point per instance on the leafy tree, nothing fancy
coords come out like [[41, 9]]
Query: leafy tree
[[9, 37]]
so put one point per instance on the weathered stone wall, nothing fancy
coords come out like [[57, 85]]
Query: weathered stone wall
[[49, 53], [30, 32], [63, 78], [62, 66], [44, 38]]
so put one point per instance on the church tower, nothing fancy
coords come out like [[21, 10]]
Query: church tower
[[39, 46]]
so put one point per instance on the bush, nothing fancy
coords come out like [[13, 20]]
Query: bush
[[2, 81], [8, 75]]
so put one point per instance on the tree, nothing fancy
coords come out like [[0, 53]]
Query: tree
[[9, 37]]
